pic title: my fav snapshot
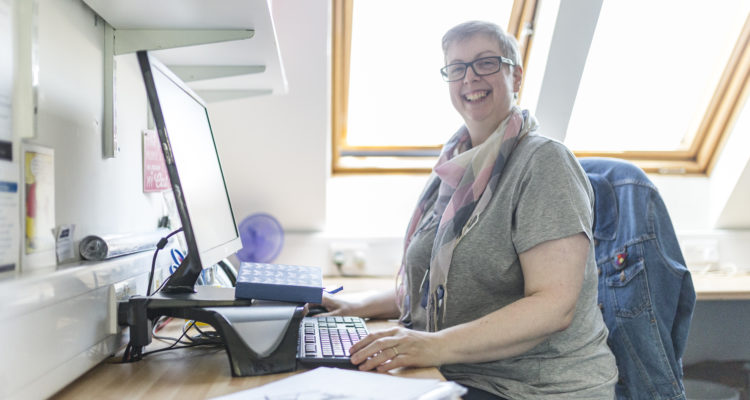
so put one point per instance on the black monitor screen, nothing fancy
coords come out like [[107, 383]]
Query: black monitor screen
[[184, 129]]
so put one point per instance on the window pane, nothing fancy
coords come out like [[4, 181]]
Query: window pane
[[651, 71], [396, 94]]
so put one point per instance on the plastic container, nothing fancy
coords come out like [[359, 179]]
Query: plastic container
[[704, 390]]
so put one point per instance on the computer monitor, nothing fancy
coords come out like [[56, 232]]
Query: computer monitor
[[200, 192]]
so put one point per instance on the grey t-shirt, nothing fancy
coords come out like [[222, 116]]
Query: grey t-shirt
[[543, 194]]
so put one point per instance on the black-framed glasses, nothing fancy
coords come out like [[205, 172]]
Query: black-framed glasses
[[481, 66]]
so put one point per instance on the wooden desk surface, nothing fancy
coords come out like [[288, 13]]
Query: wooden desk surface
[[197, 373], [708, 286], [204, 373], [184, 374], [714, 286]]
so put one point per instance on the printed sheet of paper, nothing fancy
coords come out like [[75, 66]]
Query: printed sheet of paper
[[9, 217], [155, 175], [6, 76], [39, 211], [334, 383], [9, 221]]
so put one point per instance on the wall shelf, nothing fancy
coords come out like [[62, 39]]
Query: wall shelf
[[223, 49]]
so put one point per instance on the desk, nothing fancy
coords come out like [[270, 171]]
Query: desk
[[203, 373], [714, 286], [197, 373], [708, 286], [194, 373]]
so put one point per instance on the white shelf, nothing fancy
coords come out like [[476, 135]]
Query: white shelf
[[228, 47], [261, 50]]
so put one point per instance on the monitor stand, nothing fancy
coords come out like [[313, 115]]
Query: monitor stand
[[260, 337]]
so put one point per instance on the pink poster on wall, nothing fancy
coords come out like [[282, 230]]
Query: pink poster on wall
[[155, 176]]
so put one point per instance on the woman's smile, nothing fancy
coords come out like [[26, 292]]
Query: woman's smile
[[476, 96]]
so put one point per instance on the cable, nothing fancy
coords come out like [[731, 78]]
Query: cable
[[180, 347], [163, 242], [160, 323], [229, 271], [195, 341], [161, 286], [208, 338], [204, 337], [132, 353]]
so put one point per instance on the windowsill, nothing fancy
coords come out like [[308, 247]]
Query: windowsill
[[424, 164], [384, 165]]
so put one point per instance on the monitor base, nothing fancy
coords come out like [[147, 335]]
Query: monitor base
[[260, 337]]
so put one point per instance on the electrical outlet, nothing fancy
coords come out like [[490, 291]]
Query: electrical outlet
[[701, 253], [349, 258], [120, 291]]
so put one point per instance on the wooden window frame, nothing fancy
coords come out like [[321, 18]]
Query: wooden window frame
[[698, 159], [521, 24], [718, 120]]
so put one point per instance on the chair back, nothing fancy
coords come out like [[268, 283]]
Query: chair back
[[645, 292]]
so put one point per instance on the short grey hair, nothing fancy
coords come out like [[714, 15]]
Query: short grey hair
[[508, 43]]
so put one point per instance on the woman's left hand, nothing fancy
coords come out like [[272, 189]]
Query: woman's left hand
[[396, 347]]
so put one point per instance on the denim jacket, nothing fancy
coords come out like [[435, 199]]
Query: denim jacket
[[645, 291]]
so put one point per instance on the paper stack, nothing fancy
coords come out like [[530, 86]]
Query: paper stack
[[333, 383]]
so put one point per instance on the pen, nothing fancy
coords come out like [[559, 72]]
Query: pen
[[332, 291]]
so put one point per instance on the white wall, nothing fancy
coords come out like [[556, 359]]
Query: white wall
[[98, 195], [730, 181], [275, 149]]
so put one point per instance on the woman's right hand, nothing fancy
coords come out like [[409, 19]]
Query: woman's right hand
[[336, 306], [364, 305]]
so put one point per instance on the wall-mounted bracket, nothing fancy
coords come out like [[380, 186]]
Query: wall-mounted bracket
[[123, 41]]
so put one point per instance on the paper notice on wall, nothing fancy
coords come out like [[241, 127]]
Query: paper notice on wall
[[10, 250], [155, 176], [64, 243], [6, 77], [39, 206], [10, 231]]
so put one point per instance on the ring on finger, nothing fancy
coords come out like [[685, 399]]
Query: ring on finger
[[395, 351]]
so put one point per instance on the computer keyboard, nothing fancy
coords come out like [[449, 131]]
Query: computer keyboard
[[325, 341]]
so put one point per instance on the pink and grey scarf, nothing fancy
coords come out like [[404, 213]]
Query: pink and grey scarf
[[466, 178]]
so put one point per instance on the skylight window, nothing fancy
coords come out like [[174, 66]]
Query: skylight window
[[659, 87], [651, 73]]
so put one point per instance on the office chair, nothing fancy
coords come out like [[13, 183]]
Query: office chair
[[646, 292]]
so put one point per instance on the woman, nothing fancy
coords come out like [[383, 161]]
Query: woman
[[498, 282]]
